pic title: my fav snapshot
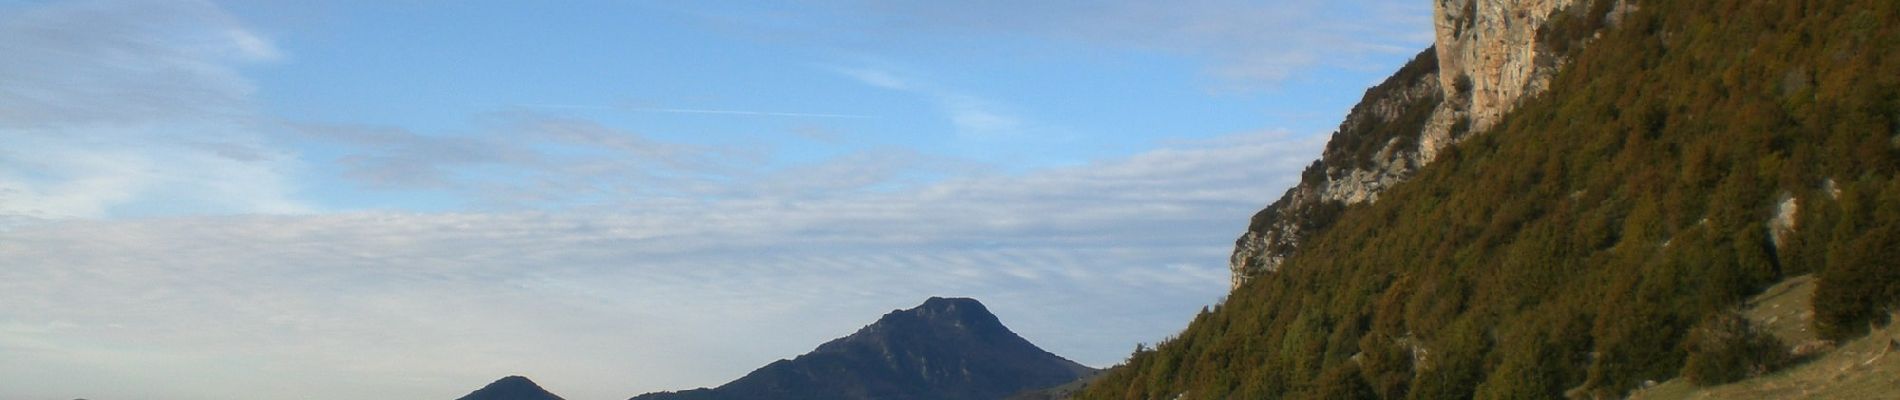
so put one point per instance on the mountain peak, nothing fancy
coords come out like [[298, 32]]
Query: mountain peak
[[935, 302], [953, 307], [512, 387], [946, 348], [963, 321]]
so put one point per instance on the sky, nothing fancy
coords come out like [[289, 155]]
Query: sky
[[276, 199]]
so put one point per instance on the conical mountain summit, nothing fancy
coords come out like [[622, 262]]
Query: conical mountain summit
[[944, 349], [511, 388]]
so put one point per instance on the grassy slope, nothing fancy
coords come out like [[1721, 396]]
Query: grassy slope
[[1863, 368], [1569, 250]]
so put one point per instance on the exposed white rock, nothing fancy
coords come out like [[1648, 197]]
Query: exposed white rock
[[1782, 224], [1437, 133], [1487, 61], [1492, 44], [1339, 179]]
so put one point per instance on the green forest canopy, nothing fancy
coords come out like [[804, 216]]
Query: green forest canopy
[[1574, 246]]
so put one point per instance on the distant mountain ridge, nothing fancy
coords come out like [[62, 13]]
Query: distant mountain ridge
[[945, 349], [511, 388]]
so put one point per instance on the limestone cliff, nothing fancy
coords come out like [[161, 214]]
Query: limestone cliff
[[1493, 45], [1489, 55], [1376, 146]]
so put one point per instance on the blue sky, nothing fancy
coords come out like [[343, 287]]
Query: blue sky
[[406, 199]]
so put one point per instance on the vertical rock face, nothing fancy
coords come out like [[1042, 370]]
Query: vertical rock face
[[1493, 45], [1487, 58]]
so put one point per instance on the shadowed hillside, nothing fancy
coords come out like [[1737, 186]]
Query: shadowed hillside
[[511, 388], [947, 348]]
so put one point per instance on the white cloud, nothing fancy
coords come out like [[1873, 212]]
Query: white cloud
[[95, 96], [253, 46], [647, 295], [970, 115], [122, 63], [521, 160], [50, 175], [874, 77], [977, 117]]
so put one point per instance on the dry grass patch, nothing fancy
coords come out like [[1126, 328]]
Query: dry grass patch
[[1863, 368]]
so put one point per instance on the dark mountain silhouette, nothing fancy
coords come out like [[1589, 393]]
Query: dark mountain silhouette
[[511, 388], [945, 349]]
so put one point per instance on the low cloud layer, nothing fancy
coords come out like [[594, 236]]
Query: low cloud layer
[[610, 302], [166, 239]]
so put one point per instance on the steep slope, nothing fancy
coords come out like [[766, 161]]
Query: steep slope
[[947, 348], [1376, 147], [511, 388], [1681, 157], [1489, 55], [1867, 368], [1864, 368]]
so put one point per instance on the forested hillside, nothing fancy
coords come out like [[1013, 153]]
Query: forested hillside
[[1602, 234]]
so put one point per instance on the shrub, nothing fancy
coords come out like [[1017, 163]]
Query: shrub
[[1861, 280], [1726, 348], [1343, 382]]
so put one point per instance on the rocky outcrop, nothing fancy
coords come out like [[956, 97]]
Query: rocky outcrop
[[1374, 148], [1489, 56], [1782, 225]]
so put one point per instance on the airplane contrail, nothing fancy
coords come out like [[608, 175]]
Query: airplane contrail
[[702, 111]]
